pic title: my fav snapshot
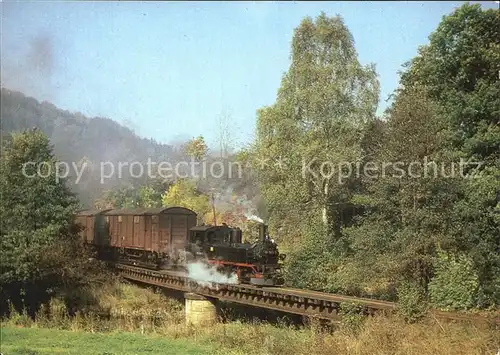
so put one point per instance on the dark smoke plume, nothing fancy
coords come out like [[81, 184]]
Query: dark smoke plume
[[40, 58], [31, 70]]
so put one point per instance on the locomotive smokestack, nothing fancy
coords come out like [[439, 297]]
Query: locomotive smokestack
[[262, 231]]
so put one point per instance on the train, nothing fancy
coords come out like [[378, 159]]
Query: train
[[170, 238]]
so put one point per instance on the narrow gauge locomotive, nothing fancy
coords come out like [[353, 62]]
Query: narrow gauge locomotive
[[256, 263], [169, 238]]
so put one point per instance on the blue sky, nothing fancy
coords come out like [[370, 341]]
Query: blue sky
[[169, 70]]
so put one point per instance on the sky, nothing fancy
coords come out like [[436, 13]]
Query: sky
[[170, 70]]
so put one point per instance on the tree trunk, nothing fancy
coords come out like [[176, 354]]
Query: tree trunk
[[325, 204]]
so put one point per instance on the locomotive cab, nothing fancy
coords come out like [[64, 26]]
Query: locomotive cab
[[211, 235], [216, 242]]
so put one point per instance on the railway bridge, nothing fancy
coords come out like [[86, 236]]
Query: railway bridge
[[289, 300]]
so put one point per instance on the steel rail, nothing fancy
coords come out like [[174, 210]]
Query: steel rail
[[302, 302]]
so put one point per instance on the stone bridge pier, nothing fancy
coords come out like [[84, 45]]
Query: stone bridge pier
[[200, 310]]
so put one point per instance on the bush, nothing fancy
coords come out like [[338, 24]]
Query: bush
[[455, 284], [352, 317], [308, 265], [412, 301]]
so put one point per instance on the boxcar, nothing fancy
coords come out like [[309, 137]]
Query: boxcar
[[146, 234], [93, 227]]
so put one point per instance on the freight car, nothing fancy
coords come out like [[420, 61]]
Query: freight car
[[146, 236], [169, 238]]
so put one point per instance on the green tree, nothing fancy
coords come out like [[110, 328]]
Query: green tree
[[306, 142], [196, 148], [148, 197], [184, 193], [124, 197], [325, 100], [39, 242], [446, 109], [151, 194], [459, 71], [455, 285], [142, 196], [407, 204]]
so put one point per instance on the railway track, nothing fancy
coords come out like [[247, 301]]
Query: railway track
[[290, 300]]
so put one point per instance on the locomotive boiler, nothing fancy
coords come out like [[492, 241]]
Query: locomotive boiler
[[169, 238]]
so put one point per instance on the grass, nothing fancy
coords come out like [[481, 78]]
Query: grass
[[143, 321], [37, 341]]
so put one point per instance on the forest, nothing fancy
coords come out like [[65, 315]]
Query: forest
[[403, 206]]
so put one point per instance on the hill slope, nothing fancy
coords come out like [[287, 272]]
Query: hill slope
[[77, 139]]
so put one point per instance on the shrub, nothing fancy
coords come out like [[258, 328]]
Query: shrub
[[352, 317], [455, 284], [412, 301]]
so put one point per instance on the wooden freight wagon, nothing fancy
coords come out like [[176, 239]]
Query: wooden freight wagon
[[94, 229], [150, 233]]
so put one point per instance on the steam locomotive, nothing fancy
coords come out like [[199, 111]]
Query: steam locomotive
[[168, 238], [256, 262]]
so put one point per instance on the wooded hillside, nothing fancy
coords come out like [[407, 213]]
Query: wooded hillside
[[77, 138]]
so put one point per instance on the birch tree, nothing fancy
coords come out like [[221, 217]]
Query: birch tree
[[315, 127]]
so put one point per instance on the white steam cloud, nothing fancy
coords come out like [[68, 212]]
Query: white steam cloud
[[206, 275], [255, 218]]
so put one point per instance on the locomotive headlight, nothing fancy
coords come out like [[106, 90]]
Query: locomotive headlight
[[211, 248]]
